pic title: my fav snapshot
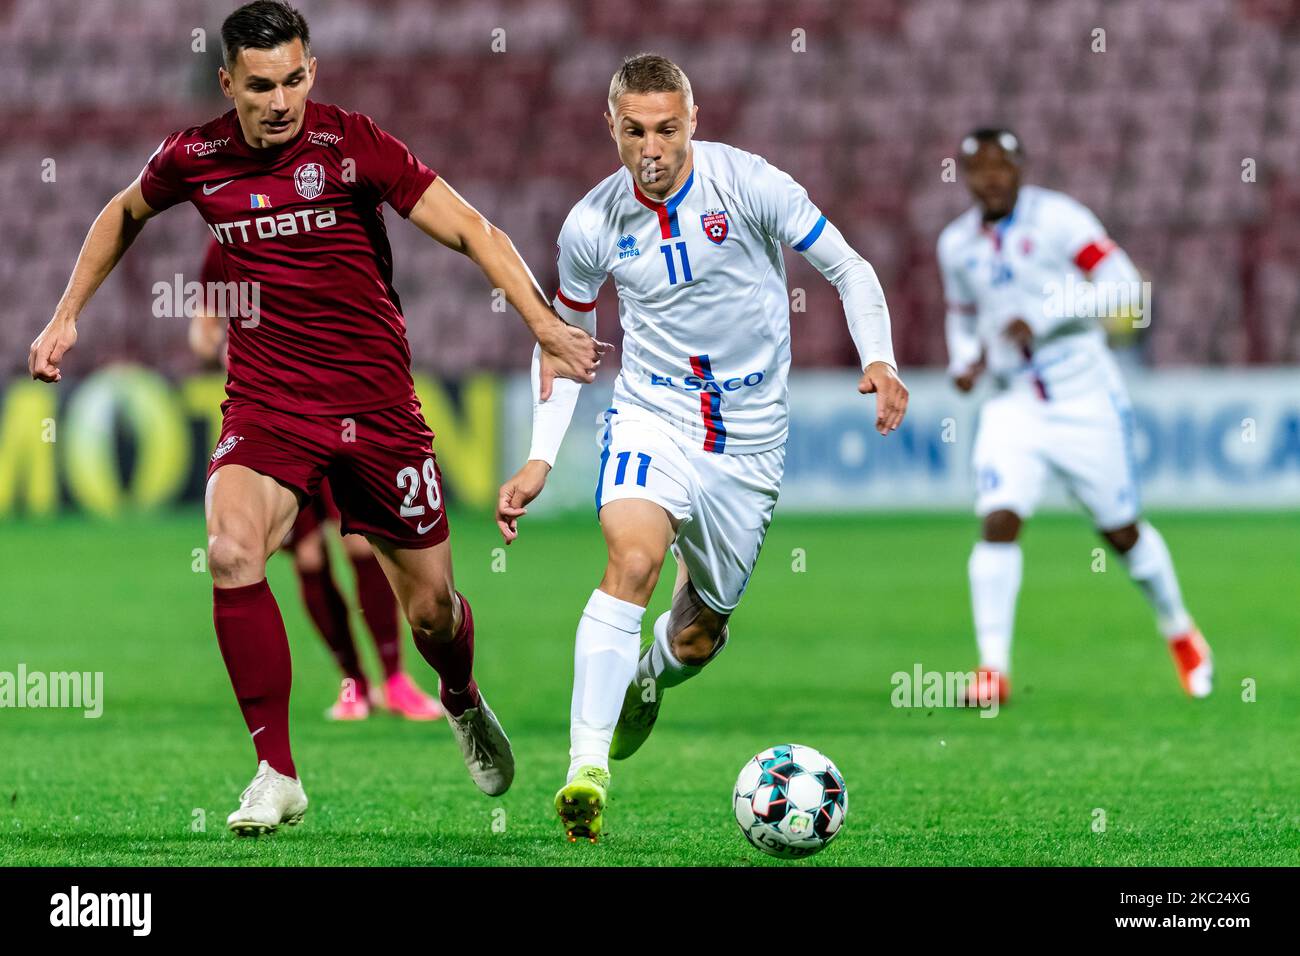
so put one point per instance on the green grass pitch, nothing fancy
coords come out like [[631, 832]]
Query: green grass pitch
[[1097, 723]]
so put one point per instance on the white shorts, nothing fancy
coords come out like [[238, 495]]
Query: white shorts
[[1086, 439], [724, 502]]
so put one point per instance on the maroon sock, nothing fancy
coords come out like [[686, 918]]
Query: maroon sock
[[329, 612], [255, 648], [454, 662], [379, 608]]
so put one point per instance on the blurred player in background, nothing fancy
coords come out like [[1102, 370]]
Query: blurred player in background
[[1028, 274], [328, 609], [320, 383], [694, 443]]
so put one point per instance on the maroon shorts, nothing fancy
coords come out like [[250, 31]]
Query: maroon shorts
[[380, 465], [312, 515]]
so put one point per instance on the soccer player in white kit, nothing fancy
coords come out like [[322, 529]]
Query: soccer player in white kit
[[693, 444], [1026, 272]]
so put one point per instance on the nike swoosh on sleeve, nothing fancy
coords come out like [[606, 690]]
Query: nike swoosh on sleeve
[[208, 191]]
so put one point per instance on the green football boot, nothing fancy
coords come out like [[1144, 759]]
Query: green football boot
[[635, 720], [581, 804]]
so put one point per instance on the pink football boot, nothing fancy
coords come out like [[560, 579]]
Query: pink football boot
[[401, 696]]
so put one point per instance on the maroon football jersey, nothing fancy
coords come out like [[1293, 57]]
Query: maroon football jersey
[[305, 221]]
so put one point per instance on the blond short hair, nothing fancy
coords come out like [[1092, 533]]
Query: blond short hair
[[648, 73]]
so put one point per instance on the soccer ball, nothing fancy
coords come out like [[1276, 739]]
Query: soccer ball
[[790, 801]]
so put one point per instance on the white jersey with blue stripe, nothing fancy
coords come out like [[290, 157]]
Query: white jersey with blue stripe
[[702, 292], [993, 273]]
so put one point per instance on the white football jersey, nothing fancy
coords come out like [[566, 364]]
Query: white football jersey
[[701, 290], [994, 273]]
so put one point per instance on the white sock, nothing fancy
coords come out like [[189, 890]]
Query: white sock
[[1152, 569], [604, 663], [995, 568]]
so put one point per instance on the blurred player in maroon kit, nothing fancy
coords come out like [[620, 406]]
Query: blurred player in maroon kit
[[319, 381], [325, 603]]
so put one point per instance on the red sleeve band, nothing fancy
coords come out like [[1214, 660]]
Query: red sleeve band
[[570, 303], [1091, 254]]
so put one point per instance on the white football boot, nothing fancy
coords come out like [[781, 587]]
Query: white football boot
[[270, 800], [485, 747]]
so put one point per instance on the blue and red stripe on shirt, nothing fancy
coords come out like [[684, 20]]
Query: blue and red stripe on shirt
[[669, 227], [715, 432]]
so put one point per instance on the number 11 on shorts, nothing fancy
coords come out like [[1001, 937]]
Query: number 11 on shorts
[[642, 468]]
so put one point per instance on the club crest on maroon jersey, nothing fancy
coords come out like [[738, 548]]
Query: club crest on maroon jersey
[[309, 180], [715, 225]]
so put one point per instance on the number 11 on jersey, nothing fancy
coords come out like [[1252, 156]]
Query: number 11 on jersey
[[667, 250]]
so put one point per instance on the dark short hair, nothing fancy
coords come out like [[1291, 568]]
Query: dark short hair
[[262, 25], [999, 136]]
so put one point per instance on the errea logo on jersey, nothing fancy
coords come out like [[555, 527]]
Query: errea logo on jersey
[[694, 383], [627, 247], [270, 227]]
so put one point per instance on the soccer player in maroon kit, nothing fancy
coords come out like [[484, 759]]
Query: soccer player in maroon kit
[[325, 603], [319, 381]]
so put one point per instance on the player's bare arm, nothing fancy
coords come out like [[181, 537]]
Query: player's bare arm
[[546, 374], [891, 395], [966, 380], [445, 216], [1019, 331], [111, 234], [207, 335], [517, 493]]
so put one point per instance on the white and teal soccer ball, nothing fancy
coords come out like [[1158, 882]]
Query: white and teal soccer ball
[[790, 801]]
